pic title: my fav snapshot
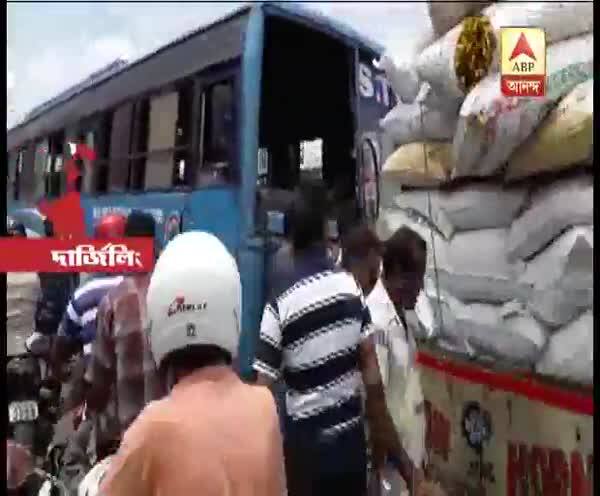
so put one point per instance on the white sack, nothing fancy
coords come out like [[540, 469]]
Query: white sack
[[393, 219], [556, 307], [471, 267], [553, 209], [405, 124], [502, 332], [570, 352], [446, 15], [508, 333], [490, 126], [567, 262], [561, 278], [565, 138], [560, 21], [402, 77], [426, 164], [476, 206], [400, 69]]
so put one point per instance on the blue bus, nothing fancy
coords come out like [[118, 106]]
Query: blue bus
[[214, 130]]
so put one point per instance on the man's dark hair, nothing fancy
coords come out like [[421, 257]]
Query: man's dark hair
[[357, 243], [48, 228], [196, 357], [140, 224], [308, 215], [405, 251]]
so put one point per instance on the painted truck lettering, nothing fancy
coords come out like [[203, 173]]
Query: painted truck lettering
[[437, 433], [547, 471]]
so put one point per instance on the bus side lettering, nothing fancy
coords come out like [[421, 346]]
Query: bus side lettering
[[371, 85]]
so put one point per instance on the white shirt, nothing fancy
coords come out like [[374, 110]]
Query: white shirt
[[396, 349]]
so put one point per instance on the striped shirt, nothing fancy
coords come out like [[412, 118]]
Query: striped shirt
[[311, 334], [79, 320]]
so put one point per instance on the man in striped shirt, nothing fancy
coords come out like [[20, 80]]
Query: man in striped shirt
[[317, 333]]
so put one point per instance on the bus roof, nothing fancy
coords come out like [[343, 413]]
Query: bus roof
[[18, 135]]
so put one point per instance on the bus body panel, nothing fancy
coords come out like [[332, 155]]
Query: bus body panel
[[162, 206], [251, 256]]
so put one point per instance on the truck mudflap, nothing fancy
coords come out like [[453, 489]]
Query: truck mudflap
[[491, 433]]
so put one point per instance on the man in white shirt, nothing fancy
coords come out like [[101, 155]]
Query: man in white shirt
[[396, 292]]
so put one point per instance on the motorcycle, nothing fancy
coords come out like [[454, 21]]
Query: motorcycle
[[33, 409]]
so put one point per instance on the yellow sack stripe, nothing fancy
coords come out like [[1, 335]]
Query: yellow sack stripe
[[564, 139], [407, 164]]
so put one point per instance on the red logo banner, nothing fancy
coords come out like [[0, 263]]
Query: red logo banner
[[76, 255]]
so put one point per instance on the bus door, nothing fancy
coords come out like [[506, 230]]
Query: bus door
[[374, 99]]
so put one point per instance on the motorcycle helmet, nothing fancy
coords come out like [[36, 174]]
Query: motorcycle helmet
[[110, 226], [184, 312]]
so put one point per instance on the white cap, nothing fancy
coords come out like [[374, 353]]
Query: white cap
[[194, 297]]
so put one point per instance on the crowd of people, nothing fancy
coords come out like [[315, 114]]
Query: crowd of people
[[157, 395]]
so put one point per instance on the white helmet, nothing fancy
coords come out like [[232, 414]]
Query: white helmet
[[194, 296]]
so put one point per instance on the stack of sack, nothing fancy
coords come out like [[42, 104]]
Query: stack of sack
[[500, 188]]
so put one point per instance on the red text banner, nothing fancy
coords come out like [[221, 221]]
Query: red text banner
[[76, 255]]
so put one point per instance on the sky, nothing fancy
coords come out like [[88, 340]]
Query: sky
[[52, 46]]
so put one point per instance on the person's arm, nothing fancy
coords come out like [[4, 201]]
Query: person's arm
[[67, 341], [267, 360], [381, 426], [101, 371]]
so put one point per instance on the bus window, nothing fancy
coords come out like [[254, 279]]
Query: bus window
[[311, 160], [100, 141], [12, 179], [119, 148], [139, 145], [40, 166], [54, 165], [183, 135], [216, 137], [161, 141], [26, 182]]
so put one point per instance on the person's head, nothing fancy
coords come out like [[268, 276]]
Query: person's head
[[194, 305], [404, 263], [140, 225], [361, 255], [15, 229], [110, 226], [48, 228], [308, 216]]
